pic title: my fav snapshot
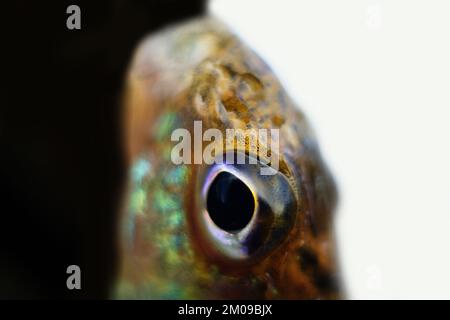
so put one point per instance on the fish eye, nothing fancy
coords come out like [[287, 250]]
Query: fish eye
[[230, 202], [240, 214]]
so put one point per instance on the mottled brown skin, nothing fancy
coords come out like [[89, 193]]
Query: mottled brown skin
[[201, 71]]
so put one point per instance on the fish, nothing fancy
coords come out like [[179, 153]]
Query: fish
[[218, 228]]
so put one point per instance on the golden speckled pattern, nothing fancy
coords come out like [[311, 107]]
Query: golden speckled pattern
[[199, 70]]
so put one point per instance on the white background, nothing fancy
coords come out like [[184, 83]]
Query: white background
[[374, 79]]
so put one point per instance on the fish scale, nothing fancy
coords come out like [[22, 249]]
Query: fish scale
[[200, 71]]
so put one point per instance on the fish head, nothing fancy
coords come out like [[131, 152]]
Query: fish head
[[228, 196]]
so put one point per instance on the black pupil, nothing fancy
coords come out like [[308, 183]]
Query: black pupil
[[230, 202]]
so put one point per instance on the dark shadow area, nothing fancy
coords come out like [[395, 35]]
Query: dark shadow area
[[61, 167]]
